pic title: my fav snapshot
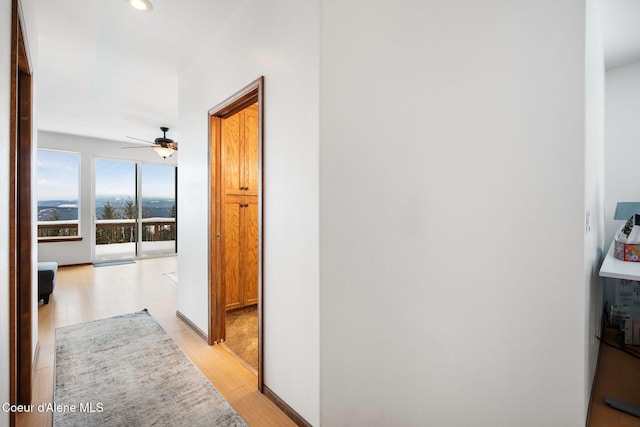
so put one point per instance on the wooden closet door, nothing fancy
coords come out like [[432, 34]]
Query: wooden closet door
[[232, 252], [232, 153], [239, 164], [251, 154], [240, 251], [249, 223]]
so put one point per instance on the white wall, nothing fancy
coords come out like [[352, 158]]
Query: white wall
[[622, 148], [5, 90], [594, 189], [279, 40], [80, 252], [452, 183]]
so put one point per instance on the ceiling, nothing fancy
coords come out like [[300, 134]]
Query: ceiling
[[109, 71]]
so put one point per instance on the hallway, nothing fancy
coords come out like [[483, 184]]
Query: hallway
[[86, 293]]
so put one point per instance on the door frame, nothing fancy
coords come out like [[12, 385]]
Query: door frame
[[20, 217], [253, 92]]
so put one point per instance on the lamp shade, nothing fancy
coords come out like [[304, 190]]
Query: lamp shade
[[144, 5], [624, 210], [164, 151]]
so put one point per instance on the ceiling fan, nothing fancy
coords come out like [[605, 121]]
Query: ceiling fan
[[164, 146]]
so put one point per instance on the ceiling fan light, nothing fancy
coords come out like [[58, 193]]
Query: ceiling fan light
[[164, 152], [144, 5]]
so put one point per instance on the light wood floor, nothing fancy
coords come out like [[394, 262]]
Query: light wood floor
[[86, 293], [618, 376]]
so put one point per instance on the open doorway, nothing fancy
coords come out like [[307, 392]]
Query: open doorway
[[235, 219]]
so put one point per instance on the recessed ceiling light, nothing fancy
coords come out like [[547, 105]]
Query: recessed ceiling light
[[144, 5]]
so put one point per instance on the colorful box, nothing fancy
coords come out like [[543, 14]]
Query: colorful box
[[627, 251]]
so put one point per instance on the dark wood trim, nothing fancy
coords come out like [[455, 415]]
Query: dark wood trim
[[284, 407], [25, 235], [239, 100], [58, 239], [13, 214], [192, 326], [217, 296], [20, 246], [253, 92]]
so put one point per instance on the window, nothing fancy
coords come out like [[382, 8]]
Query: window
[[58, 194], [135, 209]]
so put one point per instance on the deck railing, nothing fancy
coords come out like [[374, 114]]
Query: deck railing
[[57, 229], [113, 230], [124, 230]]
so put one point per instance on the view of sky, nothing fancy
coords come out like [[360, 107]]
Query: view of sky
[[58, 175], [117, 179], [58, 178], [158, 181]]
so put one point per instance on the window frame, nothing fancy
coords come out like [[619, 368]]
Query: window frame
[[78, 236]]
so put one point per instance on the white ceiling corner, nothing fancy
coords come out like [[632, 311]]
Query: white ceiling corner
[[108, 71]]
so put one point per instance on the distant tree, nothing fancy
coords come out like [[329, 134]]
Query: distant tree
[[55, 216], [173, 211], [130, 210], [108, 211]]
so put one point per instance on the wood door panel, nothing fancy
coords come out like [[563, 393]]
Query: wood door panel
[[231, 253], [251, 153], [250, 252], [231, 154]]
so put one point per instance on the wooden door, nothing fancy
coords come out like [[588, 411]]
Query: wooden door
[[239, 154], [249, 221], [240, 251], [232, 252], [232, 154], [250, 150]]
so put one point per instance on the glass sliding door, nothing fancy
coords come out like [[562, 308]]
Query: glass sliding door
[[158, 210], [116, 209]]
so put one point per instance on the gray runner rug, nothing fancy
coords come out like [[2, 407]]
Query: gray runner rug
[[126, 371]]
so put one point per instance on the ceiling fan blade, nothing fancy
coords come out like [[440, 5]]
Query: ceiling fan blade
[[143, 140]]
